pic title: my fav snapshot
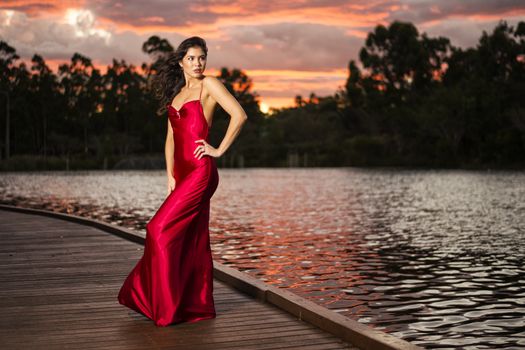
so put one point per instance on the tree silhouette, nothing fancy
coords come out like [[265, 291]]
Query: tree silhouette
[[409, 100]]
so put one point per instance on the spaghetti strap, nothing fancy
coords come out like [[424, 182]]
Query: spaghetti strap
[[202, 83]]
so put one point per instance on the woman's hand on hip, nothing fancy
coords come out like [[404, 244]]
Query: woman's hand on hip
[[205, 149]]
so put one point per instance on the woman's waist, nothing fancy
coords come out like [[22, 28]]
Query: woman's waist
[[183, 167], [190, 161]]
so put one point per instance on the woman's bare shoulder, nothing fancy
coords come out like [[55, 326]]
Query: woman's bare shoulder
[[214, 86], [211, 81]]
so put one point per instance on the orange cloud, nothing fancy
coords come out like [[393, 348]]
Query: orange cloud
[[42, 8]]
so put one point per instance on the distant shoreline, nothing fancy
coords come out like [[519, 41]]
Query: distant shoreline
[[157, 162]]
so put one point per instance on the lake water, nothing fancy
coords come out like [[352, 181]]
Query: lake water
[[432, 256]]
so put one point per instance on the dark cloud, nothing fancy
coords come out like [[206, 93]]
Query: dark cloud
[[299, 46], [143, 13], [33, 8], [419, 11], [186, 12]]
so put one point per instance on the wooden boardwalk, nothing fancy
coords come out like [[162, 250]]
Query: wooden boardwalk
[[59, 282]]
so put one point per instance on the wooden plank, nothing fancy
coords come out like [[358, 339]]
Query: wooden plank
[[60, 282]]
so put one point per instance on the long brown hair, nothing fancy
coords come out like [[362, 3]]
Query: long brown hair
[[170, 77]]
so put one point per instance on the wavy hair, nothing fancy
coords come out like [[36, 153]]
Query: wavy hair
[[170, 77]]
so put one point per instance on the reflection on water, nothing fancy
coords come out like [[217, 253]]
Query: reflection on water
[[434, 257]]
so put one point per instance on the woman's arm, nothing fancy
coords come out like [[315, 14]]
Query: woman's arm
[[169, 150], [237, 114]]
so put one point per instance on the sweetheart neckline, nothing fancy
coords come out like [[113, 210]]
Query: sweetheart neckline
[[178, 110], [202, 110]]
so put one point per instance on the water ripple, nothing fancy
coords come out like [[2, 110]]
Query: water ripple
[[432, 256]]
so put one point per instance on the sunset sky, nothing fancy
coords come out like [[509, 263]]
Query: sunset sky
[[287, 47]]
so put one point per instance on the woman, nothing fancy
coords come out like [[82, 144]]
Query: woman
[[173, 281]]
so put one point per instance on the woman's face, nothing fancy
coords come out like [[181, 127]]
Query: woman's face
[[194, 62]]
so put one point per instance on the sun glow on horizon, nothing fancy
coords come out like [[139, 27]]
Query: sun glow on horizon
[[264, 107]]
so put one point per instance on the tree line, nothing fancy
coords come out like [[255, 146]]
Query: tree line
[[409, 100]]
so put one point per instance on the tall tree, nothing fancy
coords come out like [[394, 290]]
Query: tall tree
[[401, 62], [81, 84], [8, 57], [44, 87]]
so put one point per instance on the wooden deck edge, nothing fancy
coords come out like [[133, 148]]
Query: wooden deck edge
[[360, 335]]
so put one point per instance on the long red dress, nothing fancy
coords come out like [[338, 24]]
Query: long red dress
[[173, 281]]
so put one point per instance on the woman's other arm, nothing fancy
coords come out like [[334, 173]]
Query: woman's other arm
[[169, 150], [228, 102]]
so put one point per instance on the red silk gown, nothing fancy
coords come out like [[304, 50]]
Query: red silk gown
[[173, 281]]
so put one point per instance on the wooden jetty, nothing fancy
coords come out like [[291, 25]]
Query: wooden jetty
[[60, 275]]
